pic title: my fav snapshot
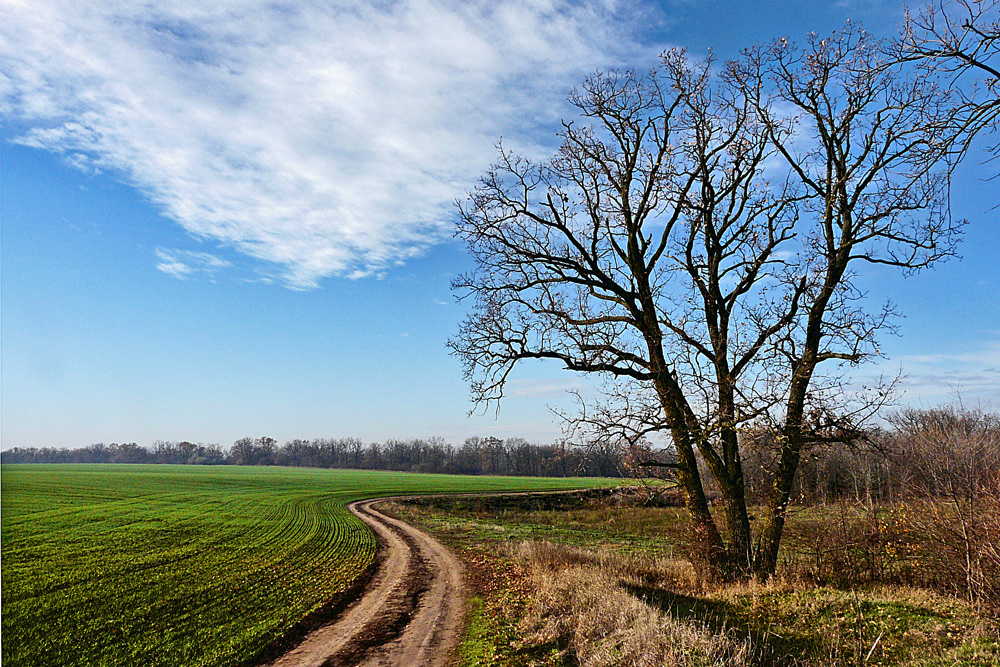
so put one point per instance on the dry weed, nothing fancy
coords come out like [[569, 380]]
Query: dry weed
[[580, 602], [633, 569]]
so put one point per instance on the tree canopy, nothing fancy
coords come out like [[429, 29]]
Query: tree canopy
[[695, 241]]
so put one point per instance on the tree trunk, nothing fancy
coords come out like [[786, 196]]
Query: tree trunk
[[766, 558], [740, 549], [709, 554]]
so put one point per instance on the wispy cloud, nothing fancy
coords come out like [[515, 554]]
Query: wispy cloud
[[184, 263], [324, 139], [929, 379], [548, 388]]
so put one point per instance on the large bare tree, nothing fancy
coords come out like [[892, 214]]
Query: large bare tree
[[693, 242]]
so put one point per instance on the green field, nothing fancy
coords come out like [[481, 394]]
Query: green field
[[185, 565]]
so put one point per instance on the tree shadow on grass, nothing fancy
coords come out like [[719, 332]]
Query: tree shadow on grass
[[771, 649], [820, 626]]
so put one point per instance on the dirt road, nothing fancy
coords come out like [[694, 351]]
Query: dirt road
[[409, 615]]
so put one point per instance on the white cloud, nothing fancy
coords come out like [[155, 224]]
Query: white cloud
[[184, 263], [548, 388], [931, 379], [325, 140]]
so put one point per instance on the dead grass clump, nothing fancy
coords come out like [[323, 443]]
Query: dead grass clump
[[580, 603], [636, 570]]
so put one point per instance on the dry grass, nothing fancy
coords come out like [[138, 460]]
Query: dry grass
[[580, 600], [604, 585], [604, 608]]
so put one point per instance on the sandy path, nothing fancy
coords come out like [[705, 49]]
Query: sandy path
[[410, 614]]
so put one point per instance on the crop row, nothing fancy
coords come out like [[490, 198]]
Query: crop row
[[92, 577]]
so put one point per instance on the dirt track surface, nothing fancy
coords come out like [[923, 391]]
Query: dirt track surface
[[409, 615]]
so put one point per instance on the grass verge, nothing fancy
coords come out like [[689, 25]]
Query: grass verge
[[588, 583]]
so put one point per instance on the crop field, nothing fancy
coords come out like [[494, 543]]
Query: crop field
[[186, 565]]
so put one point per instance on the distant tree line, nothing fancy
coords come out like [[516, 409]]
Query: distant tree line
[[476, 456], [904, 459], [127, 452]]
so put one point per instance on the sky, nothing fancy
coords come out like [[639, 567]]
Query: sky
[[235, 219]]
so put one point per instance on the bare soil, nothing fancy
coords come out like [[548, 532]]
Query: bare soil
[[410, 613]]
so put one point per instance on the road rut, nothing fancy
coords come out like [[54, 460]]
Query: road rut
[[410, 614]]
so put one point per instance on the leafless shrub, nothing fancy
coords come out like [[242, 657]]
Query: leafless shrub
[[940, 468], [653, 472], [954, 463], [989, 553], [851, 544]]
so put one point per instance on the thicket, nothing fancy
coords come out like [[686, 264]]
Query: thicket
[[941, 451], [918, 503], [915, 502]]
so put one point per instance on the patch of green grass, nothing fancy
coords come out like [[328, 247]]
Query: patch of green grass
[[655, 530], [492, 633], [185, 565], [478, 646]]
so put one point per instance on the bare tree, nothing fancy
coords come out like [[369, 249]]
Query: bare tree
[[961, 40], [874, 151], [692, 242]]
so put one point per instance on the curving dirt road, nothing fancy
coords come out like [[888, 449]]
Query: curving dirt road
[[410, 613]]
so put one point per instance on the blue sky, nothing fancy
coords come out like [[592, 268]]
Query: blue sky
[[229, 219]]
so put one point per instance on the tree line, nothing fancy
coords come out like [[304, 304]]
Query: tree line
[[475, 456], [908, 457]]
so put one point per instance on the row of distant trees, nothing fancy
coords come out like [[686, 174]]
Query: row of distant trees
[[883, 465], [476, 456]]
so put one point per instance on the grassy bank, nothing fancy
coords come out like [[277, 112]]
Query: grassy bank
[[585, 582]]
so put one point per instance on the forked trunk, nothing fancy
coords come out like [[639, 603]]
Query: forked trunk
[[713, 559]]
